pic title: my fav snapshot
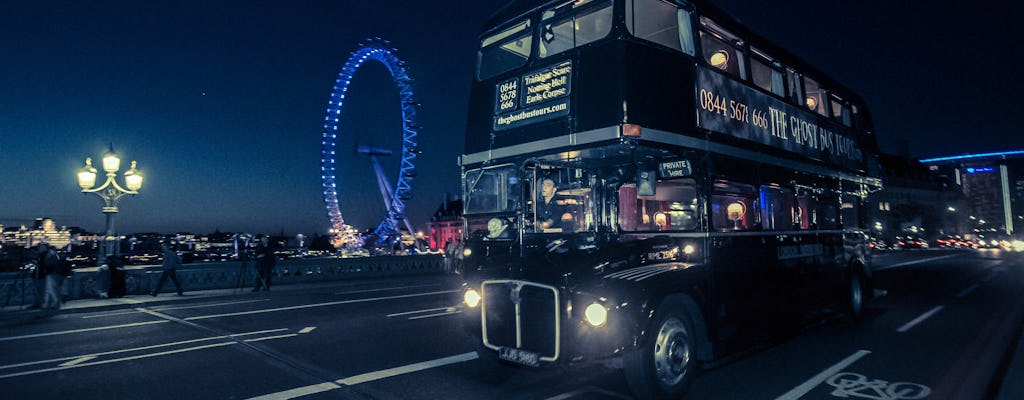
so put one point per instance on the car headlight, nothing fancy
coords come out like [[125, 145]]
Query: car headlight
[[472, 298], [596, 314]]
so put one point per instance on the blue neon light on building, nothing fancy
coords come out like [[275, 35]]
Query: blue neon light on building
[[978, 155]]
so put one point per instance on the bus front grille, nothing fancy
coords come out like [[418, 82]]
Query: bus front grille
[[522, 315]]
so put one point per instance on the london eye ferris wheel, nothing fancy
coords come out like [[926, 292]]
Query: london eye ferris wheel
[[394, 197]]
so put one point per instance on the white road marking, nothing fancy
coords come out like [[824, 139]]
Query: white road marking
[[307, 329], [141, 356], [299, 392], [387, 289], [919, 319], [141, 348], [78, 360], [436, 315], [420, 311], [967, 291], [367, 377], [387, 373], [578, 393], [172, 308], [806, 387], [99, 328], [904, 264], [271, 337], [331, 303]]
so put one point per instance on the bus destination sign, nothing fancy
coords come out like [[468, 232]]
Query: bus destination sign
[[731, 108], [534, 97]]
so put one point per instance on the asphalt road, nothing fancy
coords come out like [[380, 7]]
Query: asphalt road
[[942, 330]]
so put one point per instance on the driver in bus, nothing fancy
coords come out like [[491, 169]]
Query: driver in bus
[[550, 210]]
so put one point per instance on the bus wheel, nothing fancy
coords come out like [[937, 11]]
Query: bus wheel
[[856, 300], [664, 365]]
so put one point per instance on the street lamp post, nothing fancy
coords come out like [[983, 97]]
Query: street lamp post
[[111, 193]]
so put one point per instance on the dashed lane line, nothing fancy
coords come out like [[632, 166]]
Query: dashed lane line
[[906, 327], [967, 291], [450, 312], [806, 387], [420, 311], [367, 377]]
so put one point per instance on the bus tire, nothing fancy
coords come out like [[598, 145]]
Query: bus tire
[[665, 363], [855, 296]]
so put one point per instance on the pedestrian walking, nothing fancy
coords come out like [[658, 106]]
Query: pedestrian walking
[[265, 261], [170, 267], [49, 262], [46, 260]]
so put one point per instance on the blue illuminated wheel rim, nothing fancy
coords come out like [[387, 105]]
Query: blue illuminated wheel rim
[[375, 50]]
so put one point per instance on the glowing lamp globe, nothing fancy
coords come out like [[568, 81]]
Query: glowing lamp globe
[[111, 161], [87, 175], [133, 178]]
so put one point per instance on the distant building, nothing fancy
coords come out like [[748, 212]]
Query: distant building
[[993, 188], [914, 201], [43, 230], [446, 224]]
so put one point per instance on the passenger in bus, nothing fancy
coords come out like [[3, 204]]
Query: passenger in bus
[[497, 228]]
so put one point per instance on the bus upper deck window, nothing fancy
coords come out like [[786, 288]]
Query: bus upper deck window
[[564, 28], [722, 50], [766, 73], [660, 22], [815, 100], [505, 50]]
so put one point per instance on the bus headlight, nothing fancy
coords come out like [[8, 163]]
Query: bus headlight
[[467, 252], [472, 298], [689, 249], [596, 314]]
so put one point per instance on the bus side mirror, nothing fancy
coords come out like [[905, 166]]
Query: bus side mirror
[[646, 181]]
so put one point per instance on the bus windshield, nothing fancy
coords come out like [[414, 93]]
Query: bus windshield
[[491, 190]]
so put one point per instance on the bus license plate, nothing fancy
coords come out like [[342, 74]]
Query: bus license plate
[[519, 356]]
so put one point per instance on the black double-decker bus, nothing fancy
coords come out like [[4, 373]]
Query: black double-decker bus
[[649, 182]]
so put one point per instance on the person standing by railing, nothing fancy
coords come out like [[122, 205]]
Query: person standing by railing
[[265, 262]]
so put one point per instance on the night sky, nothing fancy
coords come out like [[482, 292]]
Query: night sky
[[221, 103]]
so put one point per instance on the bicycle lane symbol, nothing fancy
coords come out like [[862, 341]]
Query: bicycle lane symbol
[[848, 384]]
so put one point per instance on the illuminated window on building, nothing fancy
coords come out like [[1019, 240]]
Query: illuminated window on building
[[732, 206], [776, 208], [766, 73], [661, 23], [505, 51], [721, 49], [563, 27], [673, 207]]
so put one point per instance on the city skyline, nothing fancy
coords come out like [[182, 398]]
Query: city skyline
[[222, 104]]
